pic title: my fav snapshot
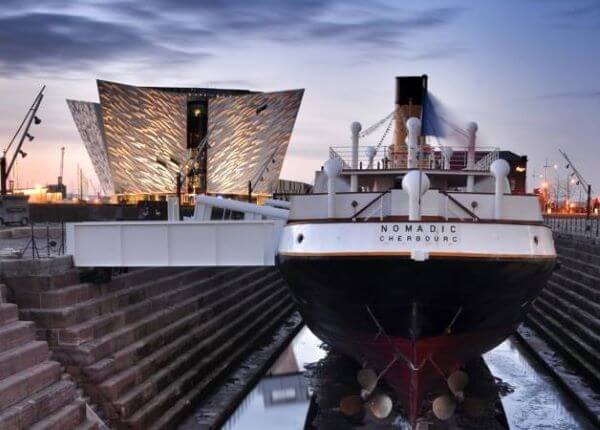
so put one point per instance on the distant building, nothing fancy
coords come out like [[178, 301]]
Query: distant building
[[138, 138]]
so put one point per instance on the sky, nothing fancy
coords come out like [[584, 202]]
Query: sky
[[527, 71]]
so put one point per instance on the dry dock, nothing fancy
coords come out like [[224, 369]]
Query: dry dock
[[168, 347]]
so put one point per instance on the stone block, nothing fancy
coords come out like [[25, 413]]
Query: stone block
[[38, 406], [8, 313], [22, 357], [15, 334], [23, 384]]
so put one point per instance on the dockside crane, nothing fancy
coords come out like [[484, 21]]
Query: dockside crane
[[18, 138], [580, 181]]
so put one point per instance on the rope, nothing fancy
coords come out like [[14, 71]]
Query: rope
[[375, 126], [385, 133]]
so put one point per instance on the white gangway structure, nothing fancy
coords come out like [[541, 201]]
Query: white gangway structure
[[243, 234]]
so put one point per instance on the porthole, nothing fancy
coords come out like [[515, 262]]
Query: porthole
[[535, 240], [300, 238]]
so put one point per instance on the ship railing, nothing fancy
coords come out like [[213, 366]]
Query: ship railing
[[334, 154], [486, 161], [574, 224], [380, 206], [452, 203], [431, 158]]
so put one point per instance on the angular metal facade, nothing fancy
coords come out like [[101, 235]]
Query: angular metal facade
[[248, 139], [141, 126], [137, 137], [88, 119]]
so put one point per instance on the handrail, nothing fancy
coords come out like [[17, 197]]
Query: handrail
[[460, 205], [369, 204]]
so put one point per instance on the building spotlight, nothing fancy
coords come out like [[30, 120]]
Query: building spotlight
[[261, 108], [29, 136], [161, 162], [37, 120], [23, 153]]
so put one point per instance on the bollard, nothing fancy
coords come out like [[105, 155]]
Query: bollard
[[500, 169], [332, 169], [410, 183]]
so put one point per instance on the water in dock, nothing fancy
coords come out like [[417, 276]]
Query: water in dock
[[285, 396]]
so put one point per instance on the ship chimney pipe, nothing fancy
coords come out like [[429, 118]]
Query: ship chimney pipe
[[332, 169], [355, 128], [413, 125], [410, 183], [500, 170], [471, 132]]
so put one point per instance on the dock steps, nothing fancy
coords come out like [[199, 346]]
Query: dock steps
[[567, 312], [146, 342], [34, 393]]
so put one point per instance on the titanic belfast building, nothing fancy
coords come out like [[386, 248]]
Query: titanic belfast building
[[222, 141]]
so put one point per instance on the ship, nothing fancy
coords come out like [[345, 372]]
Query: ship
[[415, 258], [411, 258]]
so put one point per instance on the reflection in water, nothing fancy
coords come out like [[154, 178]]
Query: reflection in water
[[303, 389], [534, 400], [280, 401]]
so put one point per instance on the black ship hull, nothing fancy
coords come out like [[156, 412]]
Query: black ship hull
[[418, 320]]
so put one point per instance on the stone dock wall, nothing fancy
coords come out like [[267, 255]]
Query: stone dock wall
[[562, 328], [145, 345], [567, 312]]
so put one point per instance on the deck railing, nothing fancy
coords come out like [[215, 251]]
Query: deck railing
[[576, 224], [431, 158]]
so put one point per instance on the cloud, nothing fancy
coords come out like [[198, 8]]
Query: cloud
[[41, 41], [575, 13], [236, 83], [583, 9], [48, 36], [589, 94], [379, 26]]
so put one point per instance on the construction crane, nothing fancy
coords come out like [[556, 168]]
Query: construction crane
[[580, 181], [60, 171]]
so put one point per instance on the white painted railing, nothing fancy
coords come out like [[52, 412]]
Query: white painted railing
[[434, 157]]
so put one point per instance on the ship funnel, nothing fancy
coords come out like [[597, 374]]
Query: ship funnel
[[500, 169], [415, 183], [410, 93], [332, 168], [413, 125]]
